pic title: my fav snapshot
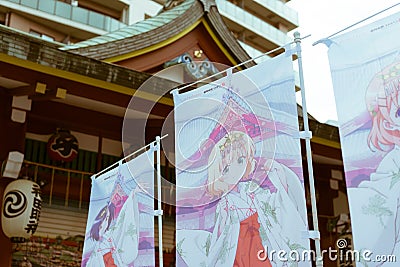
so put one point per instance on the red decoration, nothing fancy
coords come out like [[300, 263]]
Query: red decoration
[[62, 146]]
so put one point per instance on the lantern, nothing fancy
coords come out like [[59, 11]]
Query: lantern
[[62, 146], [21, 209]]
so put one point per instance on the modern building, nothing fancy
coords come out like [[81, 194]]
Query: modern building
[[75, 66], [259, 26]]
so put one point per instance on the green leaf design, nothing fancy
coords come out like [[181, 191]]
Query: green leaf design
[[131, 231], [207, 245], [376, 208], [224, 251], [179, 247], [395, 178], [295, 246], [269, 211]]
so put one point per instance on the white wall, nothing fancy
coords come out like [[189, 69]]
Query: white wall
[[138, 9]]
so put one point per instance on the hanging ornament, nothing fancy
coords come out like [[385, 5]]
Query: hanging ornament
[[62, 146], [21, 209]]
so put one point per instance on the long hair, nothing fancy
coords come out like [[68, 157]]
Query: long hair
[[101, 216]]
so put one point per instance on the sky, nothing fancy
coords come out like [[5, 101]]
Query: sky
[[320, 19]]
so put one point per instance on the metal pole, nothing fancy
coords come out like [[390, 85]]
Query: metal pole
[[319, 260], [125, 158], [159, 214]]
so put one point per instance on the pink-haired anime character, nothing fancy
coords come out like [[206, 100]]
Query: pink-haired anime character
[[382, 99], [378, 201]]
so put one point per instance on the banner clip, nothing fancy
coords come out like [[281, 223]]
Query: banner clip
[[158, 212], [304, 135], [310, 234]]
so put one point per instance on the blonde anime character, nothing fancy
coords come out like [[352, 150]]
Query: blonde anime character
[[247, 217], [378, 201]]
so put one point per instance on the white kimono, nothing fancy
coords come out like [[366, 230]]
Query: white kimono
[[375, 212], [121, 239], [282, 218]]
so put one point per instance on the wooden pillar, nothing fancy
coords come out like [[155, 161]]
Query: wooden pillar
[[12, 138], [5, 243]]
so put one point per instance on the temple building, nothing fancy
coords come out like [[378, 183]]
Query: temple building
[[69, 70]]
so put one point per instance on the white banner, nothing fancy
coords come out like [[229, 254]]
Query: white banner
[[365, 67], [120, 226], [240, 195]]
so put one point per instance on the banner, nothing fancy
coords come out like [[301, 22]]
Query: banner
[[120, 226], [365, 68], [240, 194]]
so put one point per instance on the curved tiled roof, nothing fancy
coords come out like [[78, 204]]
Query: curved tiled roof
[[157, 29], [136, 28]]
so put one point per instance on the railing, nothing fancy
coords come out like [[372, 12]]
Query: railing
[[25, 46], [60, 184], [76, 14], [280, 9], [42, 172], [251, 22]]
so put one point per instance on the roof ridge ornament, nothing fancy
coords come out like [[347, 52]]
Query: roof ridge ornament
[[207, 4]]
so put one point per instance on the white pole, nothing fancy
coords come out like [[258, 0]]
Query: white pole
[[159, 210], [316, 236]]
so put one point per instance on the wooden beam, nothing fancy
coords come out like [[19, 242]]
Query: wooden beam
[[21, 91], [58, 93], [85, 90], [29, 90], [47, 116]]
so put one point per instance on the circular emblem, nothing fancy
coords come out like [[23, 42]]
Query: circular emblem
[[63, 146], [14, 204]]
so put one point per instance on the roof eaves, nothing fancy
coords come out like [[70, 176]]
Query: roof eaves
[[235, 49], [15, 45], [133, 30]]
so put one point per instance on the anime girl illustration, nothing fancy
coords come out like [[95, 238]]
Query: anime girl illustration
[[114, 234], [239, 172], [378, 197], [249, 194]]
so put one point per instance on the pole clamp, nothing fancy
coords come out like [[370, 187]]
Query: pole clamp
[[310, 234], [158, 212]]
